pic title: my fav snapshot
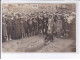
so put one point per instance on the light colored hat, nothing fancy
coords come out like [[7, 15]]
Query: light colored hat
[[73, 14]]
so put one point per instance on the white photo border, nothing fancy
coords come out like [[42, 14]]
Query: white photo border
[[46, 55]]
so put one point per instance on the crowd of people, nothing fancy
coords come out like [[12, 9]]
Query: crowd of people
[[21, 25]]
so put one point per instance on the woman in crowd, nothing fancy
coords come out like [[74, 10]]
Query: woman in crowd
[[34, 24]]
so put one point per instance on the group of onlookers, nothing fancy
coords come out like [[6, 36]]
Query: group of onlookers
[[21, 25]]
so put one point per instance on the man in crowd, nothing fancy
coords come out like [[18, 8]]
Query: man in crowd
[[35, 23]]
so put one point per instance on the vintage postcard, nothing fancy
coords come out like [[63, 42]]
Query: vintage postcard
[[39, 27]]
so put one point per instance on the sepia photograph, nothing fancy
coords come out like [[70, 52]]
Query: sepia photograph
[[39, 27]]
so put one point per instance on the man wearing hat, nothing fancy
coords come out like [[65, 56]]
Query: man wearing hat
[[4, 30], [40, 26], [22, 27], [45, 23], [16, 34], [9, 26], [35, 25], [58, 27]]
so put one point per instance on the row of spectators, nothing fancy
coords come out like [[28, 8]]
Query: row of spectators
[[21, 25]]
